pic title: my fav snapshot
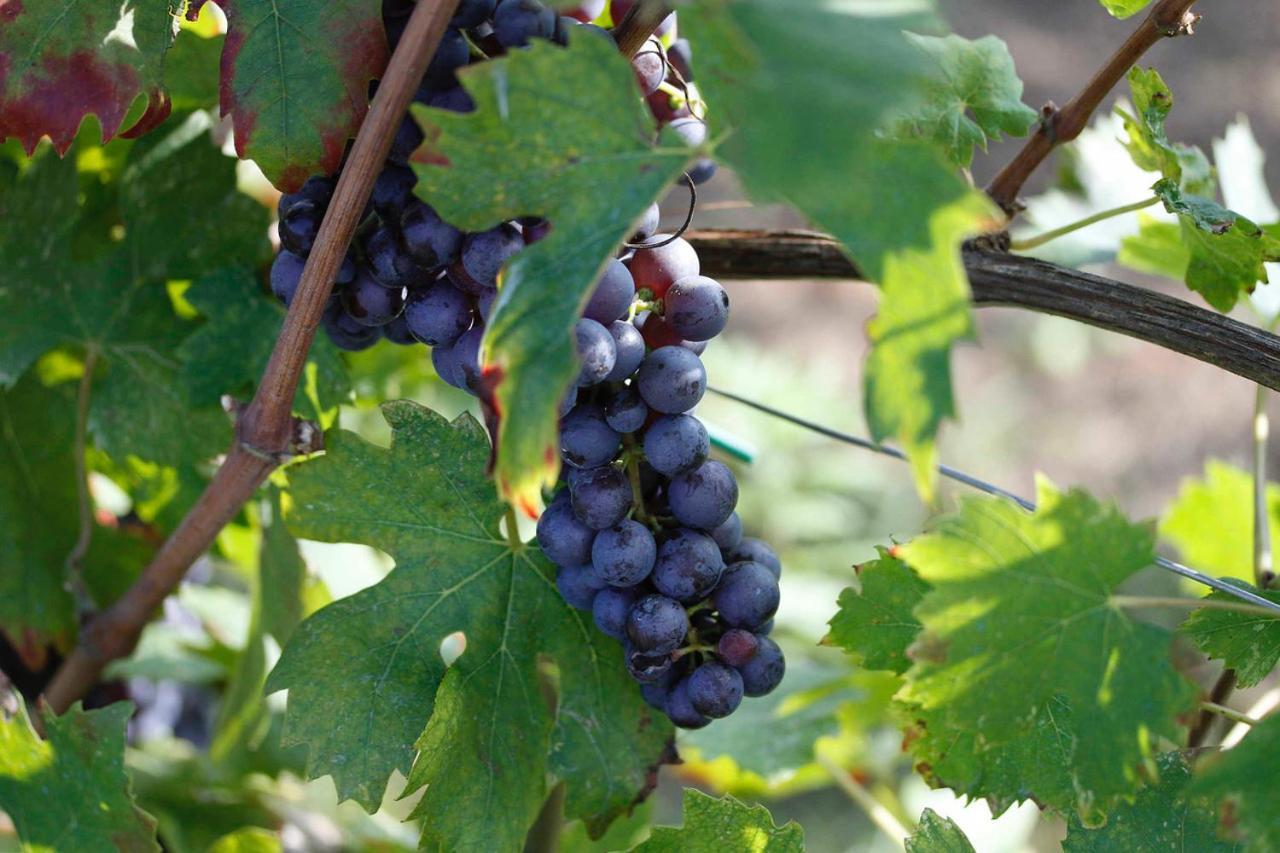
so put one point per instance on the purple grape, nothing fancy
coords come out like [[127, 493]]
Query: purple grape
[[586, 439], [625, 411], [747, 596], [370, 303], [715, 690], [286, 272], [655, 694], [610, 610], [629, 345], [452, 53], [576, 586], [676, 443], [299, 226], [756, 551], [648, 667], [438, 313], [429, 240], [612, 294], [680, 708], [680, 55], [392, 190], [703, 497], [597, 352], [345, 332], [397, 331], [445, 362], [693, 132], [407, 139], [696, 308], [649, 66], [483, 256], [764, 671], [601, 497], [318, 189], [736, 647], [624, 555], [688, 567], [517, 21], [728, 534], [484, 303], [472, 13], [648, 224], [455, 100], [388, 262], [565, 540], [466, 353], [657, 625], [672, 380]]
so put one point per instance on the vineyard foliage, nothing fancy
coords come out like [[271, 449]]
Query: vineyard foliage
[[380, 624]]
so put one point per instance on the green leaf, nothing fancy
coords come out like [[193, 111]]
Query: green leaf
[[247, 840], [1020, 616], [295, 81], [1124, 8], [973, 95], [70, 791], [591, 170], [1211, 522], [1161, 817], [714, 825], [229, 352], [1157, 249], [1247, 643], [1149, 144], [1245, 776], [37, 509], [937, 835], [824, 78], [108, 53], [875, 622], [365, 674]]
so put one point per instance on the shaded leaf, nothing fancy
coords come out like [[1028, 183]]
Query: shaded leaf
[[1162, 817], [875, 623], [365, 674], [1249, 643], [1245, 777], [70, 791], [1020, 617], [937, 835], [295, 81], [561, 134], [714, 825]]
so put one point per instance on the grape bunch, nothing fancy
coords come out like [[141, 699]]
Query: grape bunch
[[643, 529], [410, 276]]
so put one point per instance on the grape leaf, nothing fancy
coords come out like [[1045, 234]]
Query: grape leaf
[[1245, 776], [1161, 817], [1248, 643], [973, 95], [875, 623], [937, 835], [558, 133], [251, 839], [1020, 615], [295, 81], [823, 78], [113, 302], [70, 791], [365, 674], [1149, 146], [1124, 8], [228, 353], [1157, 249], [37, 500], [1240, 163], [1211, 522], [714, 825], [64, 61]]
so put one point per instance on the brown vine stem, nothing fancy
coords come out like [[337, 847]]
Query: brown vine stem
[[640, 22], [1166, 18], [998, 279], [265, 429], [1218, 695]]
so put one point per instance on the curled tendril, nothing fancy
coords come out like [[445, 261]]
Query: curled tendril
[[688, 220]]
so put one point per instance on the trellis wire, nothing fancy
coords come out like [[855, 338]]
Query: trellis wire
[[983, 486]]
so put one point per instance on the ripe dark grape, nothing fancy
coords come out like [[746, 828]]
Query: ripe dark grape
[[756, 551], [764, 671], [407, 139], [624, 554], [370, 303], [679, 707], [392, 190], [736, 647], [671, 380], [390, 264], [655, 694], [577, 586], [345, 332], [286, 272], [597, 353], [625, 411], [317, 189], [715, 690], [466, 355], [455, 100], [601, 497], [696, 308], [586, 439], [483, 256], [680, 55], [648, 224], [445, 362], [517, 21], [703, 497], [452, 53], [688, 567], [693, 132], [657, 333], [610, 609], [649, 66], [299, 225], [565, 540], [676, 443], [427, 239], [657, 625], [438, 313], [729, 533], [612, 294], [747, 596], [648, 667], [629, 346], [663, 265], [397, 331], [472, 13]]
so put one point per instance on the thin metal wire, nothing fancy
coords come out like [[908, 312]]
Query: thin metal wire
[[983, 486]]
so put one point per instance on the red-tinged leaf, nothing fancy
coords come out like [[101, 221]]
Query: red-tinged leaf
[[295, 80], [62, 60]]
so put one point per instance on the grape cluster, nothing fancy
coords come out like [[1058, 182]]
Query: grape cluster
[[411, 277], [643, 530]]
